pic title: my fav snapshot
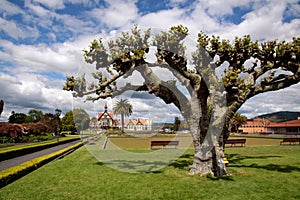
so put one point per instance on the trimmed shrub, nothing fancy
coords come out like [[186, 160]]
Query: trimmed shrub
[[19, 151], [9, 175]]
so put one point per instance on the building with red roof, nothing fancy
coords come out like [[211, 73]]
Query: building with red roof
[[290, 127], [105, 120], [286, 127], [138, 125], [254, 126]]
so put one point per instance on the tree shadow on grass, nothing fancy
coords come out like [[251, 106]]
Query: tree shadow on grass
[[236, 158], [183, 161], [136, 166], [271, 167], [148, 166], [215, 178], [235, 161]]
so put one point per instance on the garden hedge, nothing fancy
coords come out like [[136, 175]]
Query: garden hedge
[[9, 175], [23, 150]]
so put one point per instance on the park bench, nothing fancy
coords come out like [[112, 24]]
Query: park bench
[[265, 133], [233, 142], [163, 144], [290, 141]]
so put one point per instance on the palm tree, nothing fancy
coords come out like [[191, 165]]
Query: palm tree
[[123, 108], [237, 121]]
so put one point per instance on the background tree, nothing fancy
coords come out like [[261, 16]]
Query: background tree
[[50, 120], [81, 119], [17, 118], [237, 121], [249, 68], [68, 123], [124, 108], [34, 115], [176, 124]]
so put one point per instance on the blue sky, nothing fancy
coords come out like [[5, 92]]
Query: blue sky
[[42, 40]]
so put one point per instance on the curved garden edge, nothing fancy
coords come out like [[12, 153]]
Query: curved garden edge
[[19, 151], [9, 175]]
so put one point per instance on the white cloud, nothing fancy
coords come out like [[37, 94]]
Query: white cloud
[[282, 100], [60, 57], [170, 18], [28, 88], [221, 8], [8, 8], [11, 28], [23, 91], [118, 13], [36, 9], [264, 22], [53, 4]]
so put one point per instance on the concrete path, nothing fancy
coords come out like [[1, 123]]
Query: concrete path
[[5, 164]]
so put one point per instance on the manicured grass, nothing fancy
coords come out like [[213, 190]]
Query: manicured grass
[[11, 174], [262, 141], [144, 143], [184, 142], [267, 172]]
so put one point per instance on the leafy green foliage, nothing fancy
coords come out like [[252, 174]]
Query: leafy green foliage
[[17, 118], [237, 120], [34, 115], [124, 108], [75, 120], [68, 123]]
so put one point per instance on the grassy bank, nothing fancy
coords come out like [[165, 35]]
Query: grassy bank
[[267, 172]]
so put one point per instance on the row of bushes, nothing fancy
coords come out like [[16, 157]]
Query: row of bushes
[[22, 132], [26, 138], [19, 151], [9, 175]]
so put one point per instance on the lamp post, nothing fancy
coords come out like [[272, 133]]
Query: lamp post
[[57, 113]]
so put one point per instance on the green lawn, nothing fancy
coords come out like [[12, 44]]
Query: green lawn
[[267, 172]]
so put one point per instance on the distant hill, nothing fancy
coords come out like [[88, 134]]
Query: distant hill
[[280, 116]]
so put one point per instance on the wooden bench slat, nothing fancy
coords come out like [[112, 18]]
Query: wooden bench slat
[[242, 142], [290, 141], [163, 144]]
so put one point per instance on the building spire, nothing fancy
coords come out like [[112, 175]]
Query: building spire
[[105, 108]]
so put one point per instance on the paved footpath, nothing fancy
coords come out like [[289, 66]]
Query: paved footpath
[[5, 164]]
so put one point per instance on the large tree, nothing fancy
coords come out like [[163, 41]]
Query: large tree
[[17, 118], [51, 121], [216, 87], [75, 120], [124, 108], [68, 123], [34, 115]]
